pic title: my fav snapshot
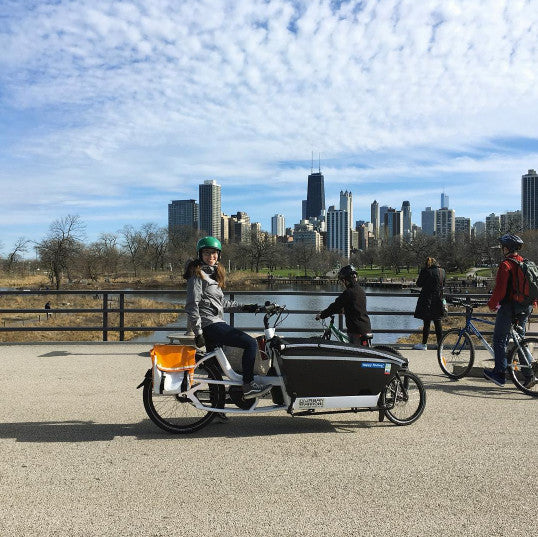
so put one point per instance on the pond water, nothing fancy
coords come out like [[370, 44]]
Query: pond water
[[314, 301]]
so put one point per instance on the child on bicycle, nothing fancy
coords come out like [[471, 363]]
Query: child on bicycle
[[507, 299], [353, 302]]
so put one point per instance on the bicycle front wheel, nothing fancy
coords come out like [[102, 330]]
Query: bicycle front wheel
[[177, 413], [523, 366], [403, 398], [455, 353]]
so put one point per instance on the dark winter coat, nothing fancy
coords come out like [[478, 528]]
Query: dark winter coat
[[430, 300], [353, 302]]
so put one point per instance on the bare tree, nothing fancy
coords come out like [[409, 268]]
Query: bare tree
[[133, 244], [155, 242], [20, 247], [60, 247], [256, 250], [304, 253]]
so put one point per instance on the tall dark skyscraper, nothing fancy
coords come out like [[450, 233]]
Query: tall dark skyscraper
[[315, 197], [529, 199]]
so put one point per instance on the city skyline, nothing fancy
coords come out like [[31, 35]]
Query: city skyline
[[111, 110]]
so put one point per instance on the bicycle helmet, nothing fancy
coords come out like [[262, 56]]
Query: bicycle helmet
[[208, 242], [512, 242], [347, 273]]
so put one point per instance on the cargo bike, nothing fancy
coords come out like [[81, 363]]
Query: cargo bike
[[184, 389]]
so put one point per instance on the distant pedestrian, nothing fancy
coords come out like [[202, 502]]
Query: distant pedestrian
[[47, 307], [430, 301]]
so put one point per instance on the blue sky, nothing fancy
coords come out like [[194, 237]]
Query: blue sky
[[111, 109]]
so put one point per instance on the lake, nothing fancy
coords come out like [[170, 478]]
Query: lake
[[315, 302]]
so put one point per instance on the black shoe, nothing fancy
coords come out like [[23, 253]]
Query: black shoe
[[222, 417], [489, 374]]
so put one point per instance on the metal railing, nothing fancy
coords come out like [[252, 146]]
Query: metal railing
[[114, 302]]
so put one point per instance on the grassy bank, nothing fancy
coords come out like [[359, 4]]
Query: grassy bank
[[56, 319]]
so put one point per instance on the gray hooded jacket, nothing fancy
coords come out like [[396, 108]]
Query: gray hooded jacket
[[205, 303]]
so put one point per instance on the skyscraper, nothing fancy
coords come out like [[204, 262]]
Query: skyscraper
[[338, 231], [346, 204], [444, 201], [374, 218], [315, 196], [493, 225], [445, 223], [406, 212], [529, 199], [182, 213], [278, 225], [463, 227], [210, 208], [393, 224], [428, 221]]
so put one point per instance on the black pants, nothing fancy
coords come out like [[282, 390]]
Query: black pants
[[426, 330], [218, 334]]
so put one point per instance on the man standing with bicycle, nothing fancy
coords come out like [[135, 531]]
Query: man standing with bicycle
[[508, 300]]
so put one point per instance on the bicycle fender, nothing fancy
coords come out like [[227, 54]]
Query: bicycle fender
[[148, 374]]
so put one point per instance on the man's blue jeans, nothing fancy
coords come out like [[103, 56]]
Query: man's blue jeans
[[501, 332], [218, 334]]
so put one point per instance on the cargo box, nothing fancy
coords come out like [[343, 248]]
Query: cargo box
[[334, 369]]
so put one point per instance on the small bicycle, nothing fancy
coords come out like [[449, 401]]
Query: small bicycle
[[330, 330], [184, 390], [456, 351]]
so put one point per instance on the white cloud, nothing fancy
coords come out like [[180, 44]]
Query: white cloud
[[108, 94]]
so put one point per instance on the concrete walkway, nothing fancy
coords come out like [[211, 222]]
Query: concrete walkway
[[80, 458]]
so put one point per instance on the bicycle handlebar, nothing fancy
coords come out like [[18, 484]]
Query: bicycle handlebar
[[270, 308], [465, 302]]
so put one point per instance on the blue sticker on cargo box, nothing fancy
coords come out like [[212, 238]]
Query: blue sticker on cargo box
[[373, 365]]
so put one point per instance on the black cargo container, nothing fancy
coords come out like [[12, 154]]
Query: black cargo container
[[334, 369]]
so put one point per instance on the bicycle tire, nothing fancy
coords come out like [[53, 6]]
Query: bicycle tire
[[404, 398], [518, 368], [175, 413], [455, 353]]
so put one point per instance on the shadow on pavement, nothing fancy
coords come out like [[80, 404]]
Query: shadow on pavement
[[478, 388], [236, 427]]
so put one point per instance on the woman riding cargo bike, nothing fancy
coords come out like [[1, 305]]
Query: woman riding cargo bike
[[185, 388]]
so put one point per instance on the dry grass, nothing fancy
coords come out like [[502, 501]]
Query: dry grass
[[72, 320]]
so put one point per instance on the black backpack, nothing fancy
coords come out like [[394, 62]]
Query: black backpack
[[530, 273]]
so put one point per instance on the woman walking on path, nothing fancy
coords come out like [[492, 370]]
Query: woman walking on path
[[430, 301]]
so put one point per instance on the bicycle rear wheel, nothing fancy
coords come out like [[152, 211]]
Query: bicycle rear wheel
[[523, 366], [176, 413], [403, 398], [455, 353]]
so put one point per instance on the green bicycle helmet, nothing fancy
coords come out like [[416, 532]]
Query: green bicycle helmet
[[208, 242]]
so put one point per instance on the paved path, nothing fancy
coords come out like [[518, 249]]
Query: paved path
[[80, 458]]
